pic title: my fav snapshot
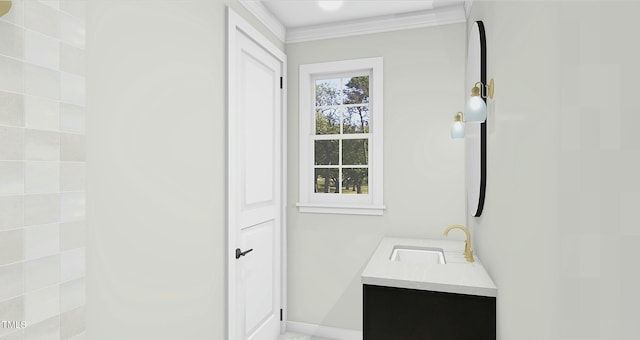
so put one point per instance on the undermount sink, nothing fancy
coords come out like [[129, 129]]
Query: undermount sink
[[417, 255]]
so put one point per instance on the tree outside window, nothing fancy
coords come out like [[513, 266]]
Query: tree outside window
[[341, 140]]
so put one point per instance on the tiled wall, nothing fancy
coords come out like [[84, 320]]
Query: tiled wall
[[42, 170]]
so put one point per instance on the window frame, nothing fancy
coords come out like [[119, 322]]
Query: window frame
[[358, 204]]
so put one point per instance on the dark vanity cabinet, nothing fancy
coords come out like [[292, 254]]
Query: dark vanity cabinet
[[409, 314]]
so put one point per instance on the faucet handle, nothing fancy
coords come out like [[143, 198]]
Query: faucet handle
[[468, 252]]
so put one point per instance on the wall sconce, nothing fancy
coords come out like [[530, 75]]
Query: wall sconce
[[476, 109], [457, 127]]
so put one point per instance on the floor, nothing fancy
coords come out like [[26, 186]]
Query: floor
[[296, 336]]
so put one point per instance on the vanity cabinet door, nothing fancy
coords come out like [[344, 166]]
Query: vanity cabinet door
[[409, 314]]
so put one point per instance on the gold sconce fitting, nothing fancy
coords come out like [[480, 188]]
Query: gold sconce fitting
[[488, 89], [459, 117], [475, 91], [491, 87], [5, 6]]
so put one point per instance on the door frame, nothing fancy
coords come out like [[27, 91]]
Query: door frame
[[236, 23]]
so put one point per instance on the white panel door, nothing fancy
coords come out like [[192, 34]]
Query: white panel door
[[255, 189]]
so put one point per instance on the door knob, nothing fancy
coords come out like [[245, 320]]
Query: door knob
[[242, 253]]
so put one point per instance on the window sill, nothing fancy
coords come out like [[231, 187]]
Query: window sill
[[343, 209]]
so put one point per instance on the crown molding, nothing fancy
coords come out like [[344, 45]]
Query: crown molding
[[266, 18], [467, 7], [387, 23]]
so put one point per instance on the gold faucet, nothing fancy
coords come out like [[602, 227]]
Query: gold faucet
[[468, 252]]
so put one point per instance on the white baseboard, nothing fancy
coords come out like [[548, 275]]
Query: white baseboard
[[323, 331]]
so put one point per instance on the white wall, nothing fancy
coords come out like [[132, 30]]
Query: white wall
[[42, 167], [156, 169], [423, 168], [558, 233]]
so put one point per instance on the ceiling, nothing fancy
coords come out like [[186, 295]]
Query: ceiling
[[299, 13], [303, 20]]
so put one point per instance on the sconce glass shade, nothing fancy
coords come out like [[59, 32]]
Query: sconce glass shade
[[476, 110], [457, 130], [457, 127]]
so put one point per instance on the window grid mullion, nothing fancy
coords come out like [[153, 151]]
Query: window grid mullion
[[340, 166], [340, 91], [341, 136], [338, 106], [341, 133], [341, 107], [361, 166]]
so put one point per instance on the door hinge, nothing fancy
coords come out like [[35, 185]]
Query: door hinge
[[281, 81], [280, 314]]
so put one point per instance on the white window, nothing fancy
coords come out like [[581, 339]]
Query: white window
[[341, 137]]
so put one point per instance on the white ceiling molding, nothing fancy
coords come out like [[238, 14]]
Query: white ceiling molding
[[266, 18], [387, 23], [467, 7]]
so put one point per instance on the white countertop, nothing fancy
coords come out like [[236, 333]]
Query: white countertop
[[456, 276]]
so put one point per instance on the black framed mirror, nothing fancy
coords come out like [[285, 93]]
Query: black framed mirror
[[476, 133]]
